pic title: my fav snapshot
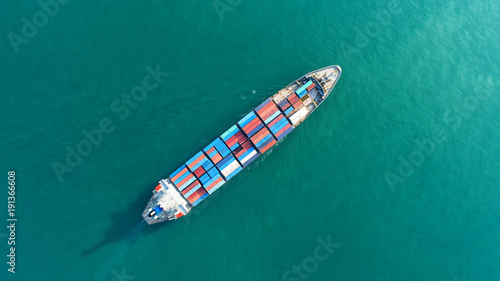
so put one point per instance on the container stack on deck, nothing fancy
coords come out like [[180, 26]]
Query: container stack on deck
[[267, 111], [280, 127], [275, 121], [250, 124], [247, 153], [229, 166], [182, 177], [302, 90], [236, 148], [205, 171], [217, 150], [312, 86], [239, 144], [290, 103], [195, 193], [263, 140]]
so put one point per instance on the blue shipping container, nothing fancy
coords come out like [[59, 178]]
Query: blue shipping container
[[304, 87], [271, 118]]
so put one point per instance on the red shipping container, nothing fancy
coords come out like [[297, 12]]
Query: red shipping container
[[260, 135], [276, 120], [217, 181], [202, 156], [283, 130], [246, 145], [253, 127], [241, 138], [232, 141], [286, 106], [179, 174], [237, 138], [252, 123], [267, 146], [200, 171], [269, 114], [191, 186], [265, 108], [264, 135], [257, 134], [241, 152], [196, 195], [271, 108], [211, 150], [216, 158], [293, 97], [185, 180], [311, 87], [264, 103]]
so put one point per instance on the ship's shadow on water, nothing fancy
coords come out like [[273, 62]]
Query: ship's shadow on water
[[127, 225]]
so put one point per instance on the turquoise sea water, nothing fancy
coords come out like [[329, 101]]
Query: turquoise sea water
[[398, 169]]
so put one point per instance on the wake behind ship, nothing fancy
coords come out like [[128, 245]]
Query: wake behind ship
[[240, 145]]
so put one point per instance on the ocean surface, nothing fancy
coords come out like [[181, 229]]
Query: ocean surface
[[395, 177]]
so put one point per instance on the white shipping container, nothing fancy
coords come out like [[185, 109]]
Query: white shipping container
[[297, 116]]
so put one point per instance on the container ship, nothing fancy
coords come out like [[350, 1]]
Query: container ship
[[239, 146]]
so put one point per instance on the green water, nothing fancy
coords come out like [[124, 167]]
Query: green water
[[423, 71]]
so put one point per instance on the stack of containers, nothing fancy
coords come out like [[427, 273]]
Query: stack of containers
[[312, 86], [263, 140], [234, 138], [197, 196], [250, 124], [182, 177], [196, 162], [267, 111], [229, 166], [247, 154], [280, 127], [286, 105], [214, 182], [194, 193], [200, 165], [303, 89], [294, 101], [217, 150]]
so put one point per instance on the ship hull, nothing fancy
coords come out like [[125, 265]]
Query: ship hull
[[240, 145]]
